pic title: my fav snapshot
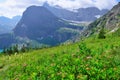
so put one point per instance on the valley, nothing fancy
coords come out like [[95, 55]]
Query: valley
[[50, 42]]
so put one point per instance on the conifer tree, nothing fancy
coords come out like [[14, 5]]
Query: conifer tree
[[15, 49], [101, 34]]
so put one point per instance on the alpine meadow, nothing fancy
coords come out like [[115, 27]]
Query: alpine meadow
[[52, 41]]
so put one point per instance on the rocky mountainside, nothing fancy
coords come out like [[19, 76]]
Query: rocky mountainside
[[110, 21], [7, 24], [39, 24], [82, 14], [6, 40]]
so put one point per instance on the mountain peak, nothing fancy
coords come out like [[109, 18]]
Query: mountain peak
[[119, 3], [46, 4], [117, 6], [33, 7], [39, 24]]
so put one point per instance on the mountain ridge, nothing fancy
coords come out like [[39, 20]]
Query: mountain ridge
[[38, 23], [7, 24], [81, 14], [110, 22]]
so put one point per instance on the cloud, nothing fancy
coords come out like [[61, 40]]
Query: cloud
[[75, 4], [11, 8]]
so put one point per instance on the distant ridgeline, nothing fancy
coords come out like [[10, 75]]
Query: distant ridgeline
[[7, 24], [41, 25], [82, 14]]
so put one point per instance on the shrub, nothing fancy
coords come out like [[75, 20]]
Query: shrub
[[83, 49]]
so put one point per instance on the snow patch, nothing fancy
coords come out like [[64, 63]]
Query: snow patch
[[98, 16]]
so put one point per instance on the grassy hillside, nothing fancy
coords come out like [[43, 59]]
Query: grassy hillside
[[93, 59]]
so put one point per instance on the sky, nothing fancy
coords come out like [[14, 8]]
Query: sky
[[10, 8]]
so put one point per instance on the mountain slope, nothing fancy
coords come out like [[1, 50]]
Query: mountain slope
[[92, 59], [90, 14], [39, 24], [6, 40], [110, 21], [7, 24], [82, 14]]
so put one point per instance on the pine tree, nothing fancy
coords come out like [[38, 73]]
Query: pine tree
[[10, 51], [23, 49], [15, 49], [101, 34], [4, 50]]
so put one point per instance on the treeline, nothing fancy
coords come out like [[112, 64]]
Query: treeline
[[15, 49]]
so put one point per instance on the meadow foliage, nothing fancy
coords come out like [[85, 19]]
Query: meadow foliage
[[92, 59]]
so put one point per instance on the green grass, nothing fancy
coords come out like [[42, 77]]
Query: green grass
[[94, 59]]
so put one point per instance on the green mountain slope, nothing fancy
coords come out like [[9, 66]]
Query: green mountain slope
[[110, 21], [91, 59]]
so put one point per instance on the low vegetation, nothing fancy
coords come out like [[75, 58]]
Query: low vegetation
[[91, 59]]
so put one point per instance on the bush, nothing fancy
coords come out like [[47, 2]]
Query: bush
[[84, 49]]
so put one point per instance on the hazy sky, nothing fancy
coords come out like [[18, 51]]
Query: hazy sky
[[12, 8]]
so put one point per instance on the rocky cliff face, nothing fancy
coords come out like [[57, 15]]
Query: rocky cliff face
[[39, 24]]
